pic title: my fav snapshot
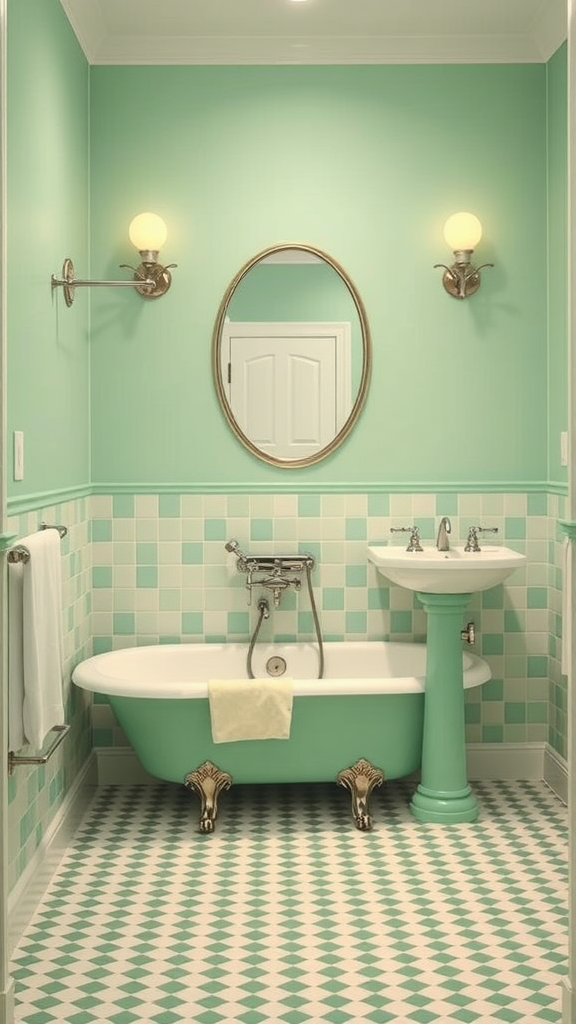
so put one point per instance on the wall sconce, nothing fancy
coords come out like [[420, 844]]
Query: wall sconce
[[148, 233], [462, 232]]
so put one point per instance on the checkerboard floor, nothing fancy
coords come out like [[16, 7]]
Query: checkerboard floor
[[288, 914]]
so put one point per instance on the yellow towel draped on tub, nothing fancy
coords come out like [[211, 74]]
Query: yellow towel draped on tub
[[250, 709]]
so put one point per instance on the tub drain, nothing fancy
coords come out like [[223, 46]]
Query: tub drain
[[276, 666]]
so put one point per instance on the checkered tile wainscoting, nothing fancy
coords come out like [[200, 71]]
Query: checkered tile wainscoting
[[288, 914]]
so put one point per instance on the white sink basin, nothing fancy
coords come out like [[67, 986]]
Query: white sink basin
[[446, 572]]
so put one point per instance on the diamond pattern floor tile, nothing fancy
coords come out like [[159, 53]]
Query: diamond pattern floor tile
[[288, 914]]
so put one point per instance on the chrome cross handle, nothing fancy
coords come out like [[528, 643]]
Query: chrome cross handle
[[472, 542], [414, 542]]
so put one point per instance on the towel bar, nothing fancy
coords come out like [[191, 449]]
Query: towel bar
[[21, 554], [62, 530], [15, 760]]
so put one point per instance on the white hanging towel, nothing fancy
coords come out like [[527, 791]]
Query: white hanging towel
[[16, 737], [35, 641], [566, 650]]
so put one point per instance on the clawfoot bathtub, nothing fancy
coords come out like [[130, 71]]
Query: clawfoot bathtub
[[360, 724]]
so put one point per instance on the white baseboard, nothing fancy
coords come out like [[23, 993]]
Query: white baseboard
[[567, 1002], [119, 766], [556, 773], [507, 761], [7, 1003], [32, 884]]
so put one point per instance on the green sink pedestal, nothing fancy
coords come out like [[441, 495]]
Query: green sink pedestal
[[444, 794]]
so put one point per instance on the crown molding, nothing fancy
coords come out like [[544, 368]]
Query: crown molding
[[549, 27], [88, 26], [532, 43], [277, 50]]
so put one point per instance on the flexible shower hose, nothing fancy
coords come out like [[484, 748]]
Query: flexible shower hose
[[263, 610], [316, 621]]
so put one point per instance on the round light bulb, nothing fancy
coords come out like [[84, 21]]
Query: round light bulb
[[462, 231], [148, 232]]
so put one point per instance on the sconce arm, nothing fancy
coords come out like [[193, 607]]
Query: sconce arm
[[138, 277], [80, 282], [145, 266], [69, 283], [443, 266]]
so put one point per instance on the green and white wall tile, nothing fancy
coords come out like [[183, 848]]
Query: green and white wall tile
[[166, 578]]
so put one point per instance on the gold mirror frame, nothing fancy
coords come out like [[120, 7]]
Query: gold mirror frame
[[344, 431]]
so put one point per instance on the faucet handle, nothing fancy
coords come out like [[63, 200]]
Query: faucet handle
[[472, 542], [414, 542]]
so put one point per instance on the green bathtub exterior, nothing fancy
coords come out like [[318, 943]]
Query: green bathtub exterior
[[171, 737]]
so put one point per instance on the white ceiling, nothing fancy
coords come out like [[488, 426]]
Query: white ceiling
[[317, 31]]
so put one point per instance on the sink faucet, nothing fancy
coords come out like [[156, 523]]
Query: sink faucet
[[443, 530]]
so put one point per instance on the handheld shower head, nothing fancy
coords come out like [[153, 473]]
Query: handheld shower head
[[233, 549]]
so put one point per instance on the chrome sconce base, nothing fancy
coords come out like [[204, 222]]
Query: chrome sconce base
[[151, 279], [462, 279]]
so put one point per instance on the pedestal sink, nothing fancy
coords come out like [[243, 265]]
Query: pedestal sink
[[446, 572], [444, 582]]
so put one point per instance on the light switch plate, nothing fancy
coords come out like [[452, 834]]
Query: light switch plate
[[564, 448], [18, 454]]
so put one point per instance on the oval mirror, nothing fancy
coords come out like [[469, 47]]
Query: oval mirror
[[291, 355]]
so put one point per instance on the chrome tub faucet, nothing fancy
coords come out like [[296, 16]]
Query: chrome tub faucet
[[443, 530], [273, 572]]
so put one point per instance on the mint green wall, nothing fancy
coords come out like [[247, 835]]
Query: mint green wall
[[365, 163], [557, 93], [48, 209]]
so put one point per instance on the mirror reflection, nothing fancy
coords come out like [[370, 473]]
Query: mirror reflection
[[291, 355]]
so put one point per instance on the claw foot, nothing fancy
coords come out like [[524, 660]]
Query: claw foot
[[207, 780], [360, 779]]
